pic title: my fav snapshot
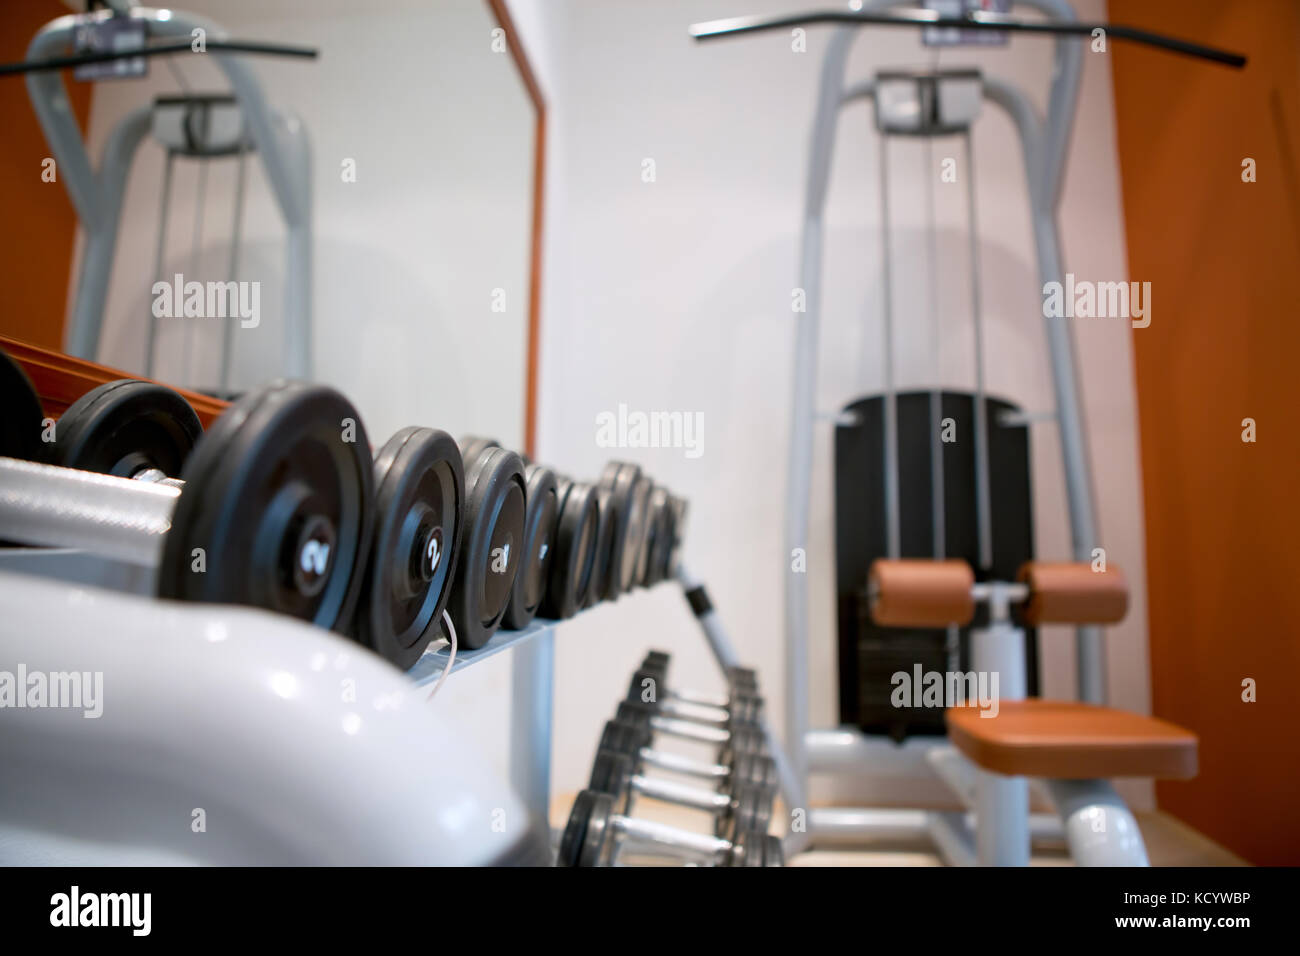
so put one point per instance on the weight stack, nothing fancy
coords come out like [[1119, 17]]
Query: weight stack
[[870, 655]]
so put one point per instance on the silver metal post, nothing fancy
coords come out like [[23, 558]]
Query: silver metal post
[[196, 254], [532, 682], [983, 509], [890, 404], [164, 215], [236, 237]]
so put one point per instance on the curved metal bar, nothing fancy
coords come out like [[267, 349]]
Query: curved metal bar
[[975, 20]]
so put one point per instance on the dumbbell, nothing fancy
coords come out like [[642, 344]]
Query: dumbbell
[[739, 806], [593, 830], [573, 563], [496, 506], [735, 675], [748, 762], [743, 703], [727, 741], [744, 697], [127, 428], [273, 509]]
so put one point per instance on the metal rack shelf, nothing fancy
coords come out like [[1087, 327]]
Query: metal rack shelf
[[430, 666]]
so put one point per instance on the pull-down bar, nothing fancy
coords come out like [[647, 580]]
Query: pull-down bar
[[974, 20]]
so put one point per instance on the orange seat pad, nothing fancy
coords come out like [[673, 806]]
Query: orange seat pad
[[1067, 740]]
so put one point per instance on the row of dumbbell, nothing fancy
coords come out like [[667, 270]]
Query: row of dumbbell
[[281, 505], [742, 779]]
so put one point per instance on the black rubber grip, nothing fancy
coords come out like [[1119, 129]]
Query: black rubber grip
[[698, 598]]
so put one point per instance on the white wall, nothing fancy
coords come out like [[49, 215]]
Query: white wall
[[676, 295]]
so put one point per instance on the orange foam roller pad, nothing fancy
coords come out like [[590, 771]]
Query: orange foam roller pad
[[920, 593], [1073, 593]]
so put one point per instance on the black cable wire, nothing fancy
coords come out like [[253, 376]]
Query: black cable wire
[[158, 49], [738, 25]]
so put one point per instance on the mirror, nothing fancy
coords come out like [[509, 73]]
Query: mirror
[[391, 256]]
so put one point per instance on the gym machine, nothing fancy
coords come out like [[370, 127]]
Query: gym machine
[[198, 127], [928, 104]]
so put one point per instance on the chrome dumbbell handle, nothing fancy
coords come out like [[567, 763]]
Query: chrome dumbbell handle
[[696, 713], [676, 763], [120, 518], [718, 701], [688, 730], [647, 834], [681, 794]]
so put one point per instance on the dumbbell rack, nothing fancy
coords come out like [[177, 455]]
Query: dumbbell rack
[[532, 666]]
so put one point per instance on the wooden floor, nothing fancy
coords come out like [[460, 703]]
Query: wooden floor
[[1169, 843]]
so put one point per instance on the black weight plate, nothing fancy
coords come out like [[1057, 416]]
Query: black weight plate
[[603, 548], [657, 658], [611, 772], [125, 427], [635, 714], [634, 736], [471, 446], [643, 685], [536, 553], [21, 418], [628, 503], [575, 550], [278, 495], [660, 542], [575, 829], [680, 511], [419, 501], [639, 532], [653, 527], [617, 737], [495, 508]]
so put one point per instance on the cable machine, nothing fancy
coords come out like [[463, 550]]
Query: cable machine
[[928, 104]]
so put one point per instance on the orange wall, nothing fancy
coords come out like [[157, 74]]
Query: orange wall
[[1222, 516], [40, 224]]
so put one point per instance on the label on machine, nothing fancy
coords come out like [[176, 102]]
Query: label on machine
[[115, 35], [956, 36]]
